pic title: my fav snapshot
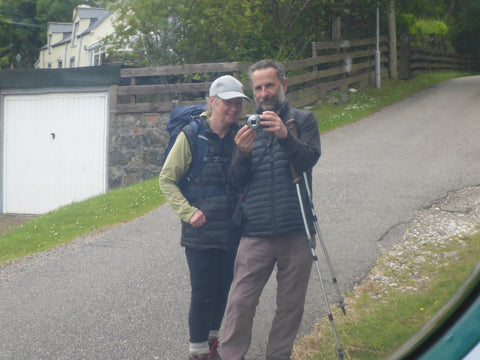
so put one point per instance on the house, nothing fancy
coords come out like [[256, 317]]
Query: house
[[77, 44]]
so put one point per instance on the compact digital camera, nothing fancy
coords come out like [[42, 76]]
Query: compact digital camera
[[253, 121]]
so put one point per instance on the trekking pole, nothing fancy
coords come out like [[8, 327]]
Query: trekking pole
[[341, 303], [296, 180]]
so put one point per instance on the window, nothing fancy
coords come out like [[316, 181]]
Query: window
[[96, 56], [60, 64], [72, 62], [49, 65]]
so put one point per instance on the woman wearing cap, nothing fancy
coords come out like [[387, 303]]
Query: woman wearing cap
[[208, 235]]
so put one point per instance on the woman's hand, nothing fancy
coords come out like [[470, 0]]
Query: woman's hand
[[244, 139], [198, 219]]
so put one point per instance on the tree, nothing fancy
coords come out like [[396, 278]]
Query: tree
[[189, 31], [465, 27], [23, 27], [168, 32], [55, 10], [19, 39], [219, 30], [165, 32]]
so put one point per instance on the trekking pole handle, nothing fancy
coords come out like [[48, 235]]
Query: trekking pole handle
[[293, 129]]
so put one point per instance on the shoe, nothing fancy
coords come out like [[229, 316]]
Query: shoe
[[199, 357], [214, 344]]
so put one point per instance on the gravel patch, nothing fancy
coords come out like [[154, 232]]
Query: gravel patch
[[427, 238], [9, 222]]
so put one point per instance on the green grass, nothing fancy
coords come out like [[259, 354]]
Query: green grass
[[370, 99], [125, 204], [68, 222]]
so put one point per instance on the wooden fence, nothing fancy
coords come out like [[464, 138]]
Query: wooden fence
[[334, 65], [141, 104], [420, 53]]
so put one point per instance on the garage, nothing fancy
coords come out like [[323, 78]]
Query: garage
[[55, 148], [53, 137]]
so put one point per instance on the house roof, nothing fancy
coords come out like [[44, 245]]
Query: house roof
[[90, 13], [62, 27], [96, 15]]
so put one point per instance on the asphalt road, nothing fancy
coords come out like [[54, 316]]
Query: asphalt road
[[123, 293]]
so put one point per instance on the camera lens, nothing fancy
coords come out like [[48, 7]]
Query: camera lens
[[253, 121]]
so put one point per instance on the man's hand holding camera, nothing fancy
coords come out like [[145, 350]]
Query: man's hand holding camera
[[269, 121]]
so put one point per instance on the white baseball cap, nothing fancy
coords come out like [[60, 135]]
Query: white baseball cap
[[227, 87]]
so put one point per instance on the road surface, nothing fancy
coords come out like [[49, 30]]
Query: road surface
[[123, 293]]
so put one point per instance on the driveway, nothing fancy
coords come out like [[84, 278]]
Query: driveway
[[123, 293]]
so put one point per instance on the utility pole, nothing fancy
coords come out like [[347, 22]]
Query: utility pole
[[377, 54], [392, 40]]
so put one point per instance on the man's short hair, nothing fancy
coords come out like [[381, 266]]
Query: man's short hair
[[265, 64]]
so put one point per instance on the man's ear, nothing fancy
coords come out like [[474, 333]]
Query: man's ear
[[284, 85]]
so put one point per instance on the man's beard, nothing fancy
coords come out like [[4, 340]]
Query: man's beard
[[274, 102]]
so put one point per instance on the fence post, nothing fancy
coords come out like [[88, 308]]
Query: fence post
[[133, 82], [404, 60]]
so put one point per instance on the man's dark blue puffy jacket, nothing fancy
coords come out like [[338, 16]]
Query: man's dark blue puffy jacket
[[271, 205]]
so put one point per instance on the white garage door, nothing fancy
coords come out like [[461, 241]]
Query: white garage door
[[54, 150]]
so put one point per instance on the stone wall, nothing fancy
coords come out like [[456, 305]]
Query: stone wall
[[136, 147]]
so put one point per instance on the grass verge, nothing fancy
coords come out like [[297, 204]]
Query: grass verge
[[368, 100], [68, 222], [381, 316]]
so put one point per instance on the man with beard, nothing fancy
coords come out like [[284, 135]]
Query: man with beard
[[274, 232]]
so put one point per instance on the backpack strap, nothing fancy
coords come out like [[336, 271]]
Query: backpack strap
[[200, 150], [198, 142]]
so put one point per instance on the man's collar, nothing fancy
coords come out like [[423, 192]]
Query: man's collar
[[283, 108]]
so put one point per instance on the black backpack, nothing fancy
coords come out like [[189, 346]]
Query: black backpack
[[180, 117]]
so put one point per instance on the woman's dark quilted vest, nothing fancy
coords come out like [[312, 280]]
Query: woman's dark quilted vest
[[215, 197]]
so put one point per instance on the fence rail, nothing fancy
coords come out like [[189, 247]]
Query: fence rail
[[422, 59], [334, 65], [158, 89], [416, 59]]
